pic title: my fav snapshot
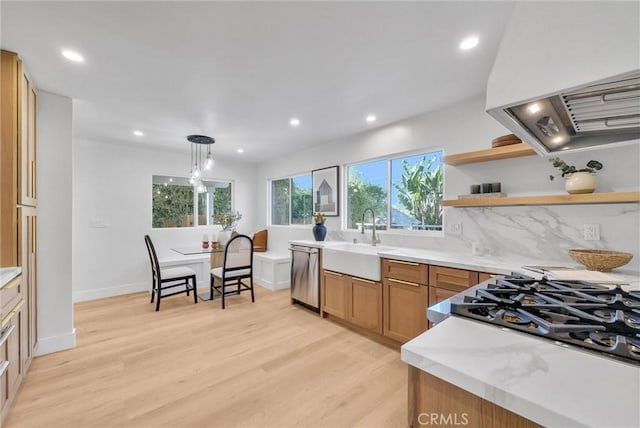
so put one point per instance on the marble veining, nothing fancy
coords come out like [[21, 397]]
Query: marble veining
[[534, 377], [531, 232]]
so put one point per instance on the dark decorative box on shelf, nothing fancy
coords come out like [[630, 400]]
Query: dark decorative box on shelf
[[483, 195]]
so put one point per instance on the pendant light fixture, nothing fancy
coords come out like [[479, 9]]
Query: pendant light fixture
[[198, 142]]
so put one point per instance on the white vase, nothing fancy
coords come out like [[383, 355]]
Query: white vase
[[580, 182], [223, 237]]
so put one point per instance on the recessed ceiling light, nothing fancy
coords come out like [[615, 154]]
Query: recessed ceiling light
[[240, 150], [469, 43], [294, 121], [533, 108], [371, 118], [557, 140], [138, 133], [72, 56]]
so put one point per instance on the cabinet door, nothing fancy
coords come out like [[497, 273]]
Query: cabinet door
[[334, 294], [452, 279], [437, 295], [27, 243], [32, 300], [405, 309], [27, 141], [365, 304], [9, 133], [14, 371], [5, 332]]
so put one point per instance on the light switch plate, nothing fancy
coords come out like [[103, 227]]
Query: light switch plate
[[591, 231], [454, 228]]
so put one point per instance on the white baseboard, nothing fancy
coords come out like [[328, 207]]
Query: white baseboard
[[118, 290], [47, 345]]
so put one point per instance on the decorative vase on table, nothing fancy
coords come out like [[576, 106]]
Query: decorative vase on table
[[223, 237], [580, 182], [319, 230]]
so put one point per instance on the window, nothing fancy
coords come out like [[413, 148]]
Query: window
[[367, 188], [175, 204], [405, 193], [291, 201]]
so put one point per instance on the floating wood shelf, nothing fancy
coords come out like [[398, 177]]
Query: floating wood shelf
[[497, 153], [589, 198]]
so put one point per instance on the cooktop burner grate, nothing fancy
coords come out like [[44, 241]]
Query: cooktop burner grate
[[589, 315]]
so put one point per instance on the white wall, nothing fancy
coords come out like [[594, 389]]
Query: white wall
[[54, 178], [112, 184], [520, 232]]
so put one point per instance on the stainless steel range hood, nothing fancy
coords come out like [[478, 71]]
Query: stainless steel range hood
[[594, 115], [567, 75]]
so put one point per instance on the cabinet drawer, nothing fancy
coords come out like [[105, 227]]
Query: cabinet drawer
[[452, 279], [483, 276], [406, 271], [9, 293]]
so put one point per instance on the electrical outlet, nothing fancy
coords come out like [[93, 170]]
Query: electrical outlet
[[591, 231], [454, 228]]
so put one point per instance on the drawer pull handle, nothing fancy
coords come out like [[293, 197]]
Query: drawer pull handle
[[399, 281], [15, 310], [368, 281], [11, 284], [399, 262], [332, 273], [3, 367], [6, 333]]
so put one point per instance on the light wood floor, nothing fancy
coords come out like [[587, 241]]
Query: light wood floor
[[267, 364]]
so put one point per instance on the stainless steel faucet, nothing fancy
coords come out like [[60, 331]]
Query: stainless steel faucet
[[374, 240]]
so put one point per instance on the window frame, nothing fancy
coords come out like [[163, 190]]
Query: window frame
[[270, 201], [388, 159], [195, 201]]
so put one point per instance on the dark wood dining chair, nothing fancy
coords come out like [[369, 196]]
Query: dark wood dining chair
[[167, 278], [238, 265]]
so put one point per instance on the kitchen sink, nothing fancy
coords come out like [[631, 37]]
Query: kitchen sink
[[359, 260]]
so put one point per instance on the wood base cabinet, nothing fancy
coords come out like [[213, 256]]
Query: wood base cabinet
[[405, 299], [405, 305], [365, 304], [12, 370], [334, 294], [435, 402], [353, 299]]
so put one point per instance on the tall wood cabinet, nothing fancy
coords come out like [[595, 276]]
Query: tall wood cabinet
[[18, 224]]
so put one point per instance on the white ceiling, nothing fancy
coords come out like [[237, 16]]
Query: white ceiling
[[239, 71]]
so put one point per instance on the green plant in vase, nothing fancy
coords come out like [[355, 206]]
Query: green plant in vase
[[577, 181]]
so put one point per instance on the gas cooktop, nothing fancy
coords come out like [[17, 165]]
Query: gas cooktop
[[594, 316]]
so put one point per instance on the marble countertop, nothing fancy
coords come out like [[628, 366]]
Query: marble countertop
[[7, 274], [489, 264], [546, 382]]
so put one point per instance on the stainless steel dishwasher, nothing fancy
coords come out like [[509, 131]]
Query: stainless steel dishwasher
[[305, 276]]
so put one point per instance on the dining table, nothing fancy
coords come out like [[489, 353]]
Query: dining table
[[217, 260]]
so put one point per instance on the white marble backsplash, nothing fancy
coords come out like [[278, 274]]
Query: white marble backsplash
[[544, 233]]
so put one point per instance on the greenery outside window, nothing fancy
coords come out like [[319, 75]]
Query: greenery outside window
[[175, 204], [405, 193], [291, 201]]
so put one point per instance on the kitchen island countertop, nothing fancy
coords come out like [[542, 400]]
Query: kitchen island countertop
[[547, 382]]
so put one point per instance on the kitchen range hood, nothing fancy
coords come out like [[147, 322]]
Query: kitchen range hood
[[567, 75], [593, 115]]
